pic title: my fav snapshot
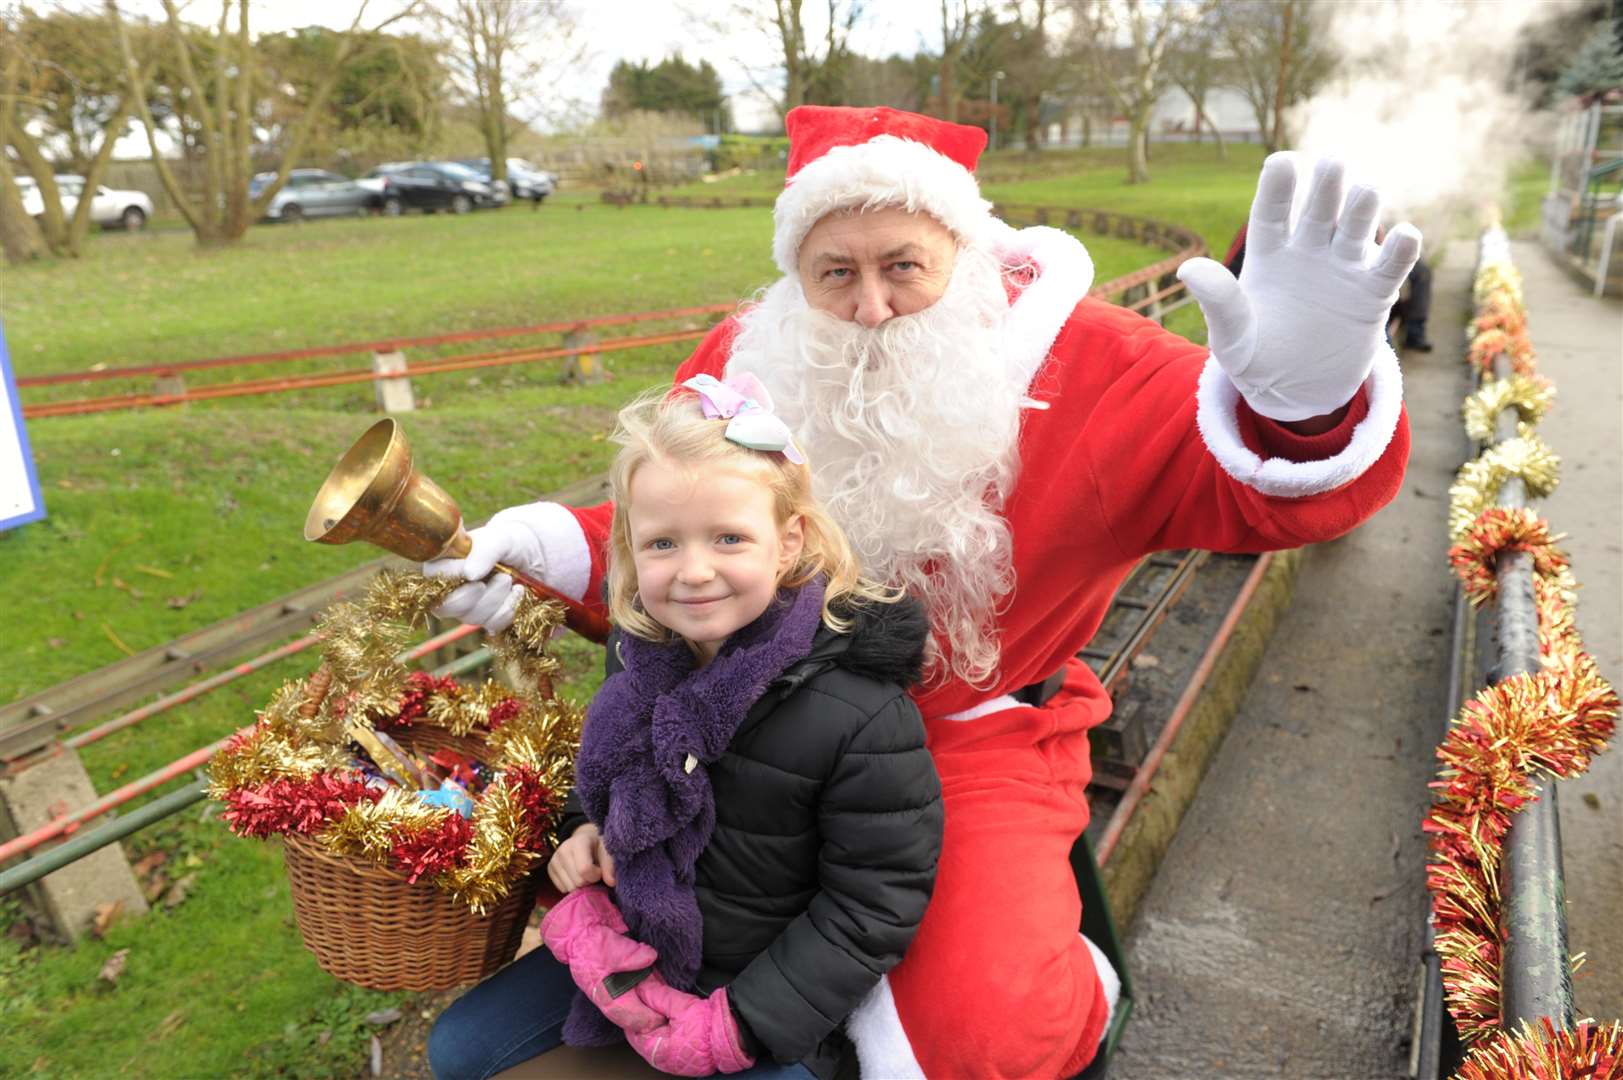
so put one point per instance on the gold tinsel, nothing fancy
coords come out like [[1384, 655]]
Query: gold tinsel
[[1476, 486], [1529, 395], [493, 861], [1497, 276], [1589, 1050], [369, 828], [362, 640]]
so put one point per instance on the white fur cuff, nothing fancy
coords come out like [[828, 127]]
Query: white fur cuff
[[884, 171], [1218, 419], [564, 550], [875, 1029]]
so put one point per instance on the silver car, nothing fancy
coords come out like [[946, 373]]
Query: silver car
[[311, 193]]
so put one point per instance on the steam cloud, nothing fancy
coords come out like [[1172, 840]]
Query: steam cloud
[[1420, 109]]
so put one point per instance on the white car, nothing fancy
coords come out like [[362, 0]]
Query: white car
[[110, 208]]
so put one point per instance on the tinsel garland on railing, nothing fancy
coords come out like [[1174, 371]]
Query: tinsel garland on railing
[[1523, 729], [293, 772]]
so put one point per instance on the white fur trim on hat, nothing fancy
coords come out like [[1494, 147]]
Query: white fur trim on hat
[[1218, 420], [1064, 274], [875, 1029], [884, 171]]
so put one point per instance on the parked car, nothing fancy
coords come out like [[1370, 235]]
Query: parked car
[[111, 208], [430, 186], [525, 180], [311, 193]]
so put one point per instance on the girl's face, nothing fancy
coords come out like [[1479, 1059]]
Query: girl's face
[[707, 549]]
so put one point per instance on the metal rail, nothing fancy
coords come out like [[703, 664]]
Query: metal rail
[[33, 724], [253, 387], [381, 345], [28, 725], [1535, 973], [31, 870]]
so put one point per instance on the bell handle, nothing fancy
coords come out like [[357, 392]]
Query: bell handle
[[577, 616]]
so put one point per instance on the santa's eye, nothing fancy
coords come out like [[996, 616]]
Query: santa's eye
[[906, 266]]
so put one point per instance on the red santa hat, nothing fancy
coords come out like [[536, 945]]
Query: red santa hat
[[844, 158]]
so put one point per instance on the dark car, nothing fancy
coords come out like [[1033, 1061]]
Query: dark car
[[523, 179], [428, 185]]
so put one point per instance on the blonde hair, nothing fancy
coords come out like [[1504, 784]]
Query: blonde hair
[[672, 428]]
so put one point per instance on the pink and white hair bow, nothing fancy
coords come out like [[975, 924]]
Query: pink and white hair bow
[[743, 401]]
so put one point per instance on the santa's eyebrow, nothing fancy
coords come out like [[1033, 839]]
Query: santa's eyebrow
[[910, 251]]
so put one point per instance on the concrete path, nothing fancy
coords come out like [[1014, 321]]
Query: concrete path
[[1283, 932], [1579, 339]]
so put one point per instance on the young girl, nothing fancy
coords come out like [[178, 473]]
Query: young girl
[[752, 782]]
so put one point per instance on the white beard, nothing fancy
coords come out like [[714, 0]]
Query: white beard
[[911, 430]]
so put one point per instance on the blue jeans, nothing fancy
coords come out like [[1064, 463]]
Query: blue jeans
[[517, 1014]]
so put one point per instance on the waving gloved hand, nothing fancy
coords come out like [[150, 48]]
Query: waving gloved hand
[[585, 931], [1300, 329], [701, 1036], [512, 536]]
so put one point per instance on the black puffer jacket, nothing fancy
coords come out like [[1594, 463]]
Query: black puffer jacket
[[828, 828]]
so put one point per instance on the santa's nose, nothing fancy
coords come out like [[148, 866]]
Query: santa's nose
[[873, 304]]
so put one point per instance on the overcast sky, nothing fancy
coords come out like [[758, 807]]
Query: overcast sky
[[639, 30]]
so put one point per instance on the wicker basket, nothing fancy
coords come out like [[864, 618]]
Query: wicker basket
[[370, 926]]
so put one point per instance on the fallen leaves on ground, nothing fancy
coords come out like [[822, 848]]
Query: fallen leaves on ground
[[106, 916], [114, 967]]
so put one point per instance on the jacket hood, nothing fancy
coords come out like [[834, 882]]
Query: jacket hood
[[886, 641]]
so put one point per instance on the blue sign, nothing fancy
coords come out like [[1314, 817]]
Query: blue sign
[[20, 501]]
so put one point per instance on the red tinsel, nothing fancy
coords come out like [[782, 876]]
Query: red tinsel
[[433, 850], [301, 806], [503, 711], [420, 686], [1588, 1051], [539, 802], [1496, 530]]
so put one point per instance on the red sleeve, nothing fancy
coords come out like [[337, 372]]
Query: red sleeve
[[1270, 438], [1159, 484], [708, 359]]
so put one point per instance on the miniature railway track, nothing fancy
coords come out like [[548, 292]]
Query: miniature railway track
[[34, 724]]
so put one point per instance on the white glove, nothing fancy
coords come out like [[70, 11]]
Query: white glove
[[1298, 333], [490, 600]]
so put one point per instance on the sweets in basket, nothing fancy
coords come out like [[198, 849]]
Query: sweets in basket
[[416, 812]]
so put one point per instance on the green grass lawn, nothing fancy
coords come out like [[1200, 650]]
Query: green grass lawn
[[161, 522]]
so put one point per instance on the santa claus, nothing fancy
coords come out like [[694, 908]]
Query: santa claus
[[1007, 449]]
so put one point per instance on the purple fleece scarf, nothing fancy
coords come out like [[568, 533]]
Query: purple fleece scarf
[[635, 782]]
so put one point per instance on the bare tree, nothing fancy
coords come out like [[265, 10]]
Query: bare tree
[[957, 24], [218, 114], [1279, 58], [1195, 62], [1125, 43], [1033, 70], [20, 238], [500, 52], [811, 68], [32, 88]]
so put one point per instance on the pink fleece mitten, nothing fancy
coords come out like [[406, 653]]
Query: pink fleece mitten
[[701, 1037], [585, 931]]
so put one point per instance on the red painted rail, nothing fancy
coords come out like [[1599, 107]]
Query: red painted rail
[[380, 345], [251, 387]]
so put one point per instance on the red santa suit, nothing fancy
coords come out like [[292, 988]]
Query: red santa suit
[[1139, 443]]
